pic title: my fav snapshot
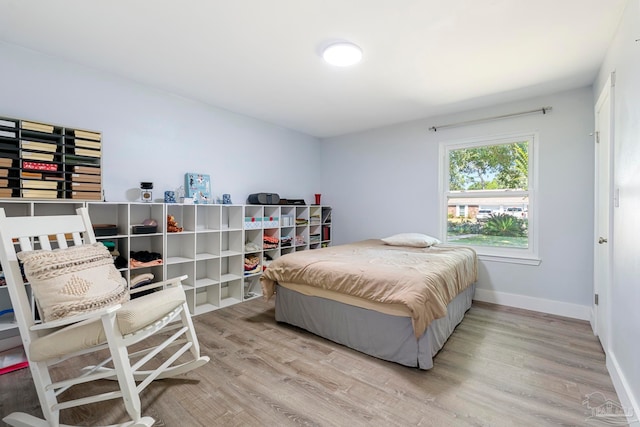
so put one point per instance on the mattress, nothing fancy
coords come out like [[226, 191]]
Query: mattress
[[415, 282]]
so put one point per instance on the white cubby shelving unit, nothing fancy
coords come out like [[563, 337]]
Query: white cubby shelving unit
[[211, 250]]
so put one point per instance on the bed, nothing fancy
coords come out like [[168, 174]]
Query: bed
[[396, 303]]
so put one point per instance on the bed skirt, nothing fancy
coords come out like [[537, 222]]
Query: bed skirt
[[377, 334]]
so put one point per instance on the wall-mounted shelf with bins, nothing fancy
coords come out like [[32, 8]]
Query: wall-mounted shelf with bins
[[223, 249], [43, 161]]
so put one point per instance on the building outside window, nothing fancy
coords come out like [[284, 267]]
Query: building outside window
[[488, 195]]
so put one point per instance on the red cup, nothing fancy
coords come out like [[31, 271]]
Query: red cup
[[318, 198]]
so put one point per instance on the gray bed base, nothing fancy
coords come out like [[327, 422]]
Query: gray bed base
[[377, 334]]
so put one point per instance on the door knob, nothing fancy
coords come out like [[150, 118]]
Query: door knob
[[602, 240]]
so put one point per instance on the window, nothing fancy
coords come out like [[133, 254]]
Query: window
[[461, 211], [488, 195]]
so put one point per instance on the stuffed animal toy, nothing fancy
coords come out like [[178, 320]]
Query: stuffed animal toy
[[172, 225]]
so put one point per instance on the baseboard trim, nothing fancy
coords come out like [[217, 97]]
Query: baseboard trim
[[592, 320], [625, 393], [559, 308]]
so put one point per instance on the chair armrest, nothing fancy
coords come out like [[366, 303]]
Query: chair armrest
[[75, 319], [164, 284]]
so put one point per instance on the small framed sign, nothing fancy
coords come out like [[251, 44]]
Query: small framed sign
[[198, 187]]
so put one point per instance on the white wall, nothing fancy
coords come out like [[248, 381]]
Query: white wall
[[151, 135], [623, 355], [385, 181]]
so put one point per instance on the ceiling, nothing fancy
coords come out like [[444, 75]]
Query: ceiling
[[261, 58]]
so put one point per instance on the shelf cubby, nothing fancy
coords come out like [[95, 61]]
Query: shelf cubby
[[207, 273], [231, 293], [208, 218]]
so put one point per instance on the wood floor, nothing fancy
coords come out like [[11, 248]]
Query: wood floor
[[501, 367]]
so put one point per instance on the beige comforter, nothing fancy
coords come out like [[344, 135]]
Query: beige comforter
[[423, 280]]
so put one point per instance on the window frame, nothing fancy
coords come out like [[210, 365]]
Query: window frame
[[527, 255]]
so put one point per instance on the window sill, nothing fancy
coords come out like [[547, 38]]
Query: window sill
[[510, 259]]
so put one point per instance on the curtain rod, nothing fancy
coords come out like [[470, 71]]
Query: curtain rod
[[542, 110]]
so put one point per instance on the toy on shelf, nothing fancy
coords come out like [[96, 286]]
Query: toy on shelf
[[172, 225]]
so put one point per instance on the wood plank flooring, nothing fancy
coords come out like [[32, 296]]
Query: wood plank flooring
[[501, 367]]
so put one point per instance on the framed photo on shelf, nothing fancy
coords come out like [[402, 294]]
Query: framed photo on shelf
[[198, 187]]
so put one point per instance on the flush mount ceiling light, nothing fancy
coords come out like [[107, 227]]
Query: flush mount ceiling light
[[342, 54]]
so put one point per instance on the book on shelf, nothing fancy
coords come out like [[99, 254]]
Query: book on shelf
[[6, 192], [32, 155], [86, 186], [85, 143], [8, 146], [87, 152], [87, 170], [32, 175], [89, 195], [39, 193], [5, 162], [4, 173], [77, 177], [54, 177], [38, 127], [7, 123], [36, 184], [39, 146], [4, 183], [72, 159], [96, 136], [7, 134], [38, 166]]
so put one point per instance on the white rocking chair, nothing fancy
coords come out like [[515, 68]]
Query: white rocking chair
[[115, 328]]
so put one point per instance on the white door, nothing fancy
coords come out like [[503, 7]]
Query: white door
[[603, 215]]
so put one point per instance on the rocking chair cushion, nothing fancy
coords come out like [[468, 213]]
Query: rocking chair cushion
[[73, 280], [141, 312], [131, 317]]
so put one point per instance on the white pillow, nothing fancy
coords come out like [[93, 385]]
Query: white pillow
[[414, 240], [74, 280]]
